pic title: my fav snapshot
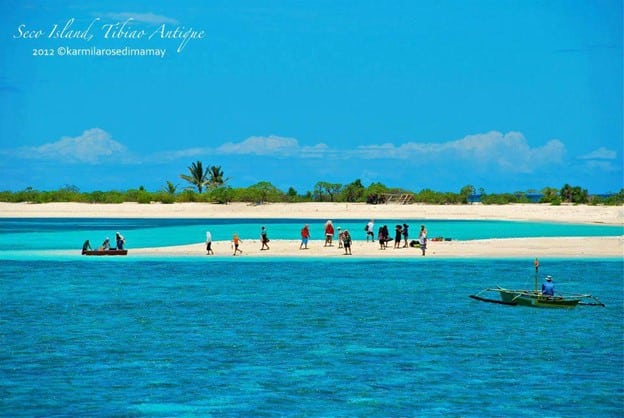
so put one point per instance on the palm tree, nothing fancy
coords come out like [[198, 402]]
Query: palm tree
[[170, 188], [215, 176], [198, 176]]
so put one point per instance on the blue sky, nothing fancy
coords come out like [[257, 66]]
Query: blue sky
[[504, 95]]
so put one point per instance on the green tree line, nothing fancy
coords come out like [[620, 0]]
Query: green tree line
[[209, 184]]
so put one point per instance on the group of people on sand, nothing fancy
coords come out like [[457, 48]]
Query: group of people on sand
[[106, 246], [236, 242], [401, 236], [344, 238]]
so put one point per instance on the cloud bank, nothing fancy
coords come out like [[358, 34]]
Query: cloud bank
[[508, 152], [93, 146]]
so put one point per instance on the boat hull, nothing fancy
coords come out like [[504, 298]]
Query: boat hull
[[537, 300], [107, 252]]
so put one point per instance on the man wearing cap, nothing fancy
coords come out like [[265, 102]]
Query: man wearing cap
[[548, 287]]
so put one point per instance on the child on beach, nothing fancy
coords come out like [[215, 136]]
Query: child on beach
[[236, 241], [340, 237]]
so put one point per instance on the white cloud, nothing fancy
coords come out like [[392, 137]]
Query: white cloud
[[93, 146], [150, 18], [510, 151], [601, 153], [261, 145]]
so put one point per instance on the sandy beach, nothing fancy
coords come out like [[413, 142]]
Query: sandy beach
[[517, 247]]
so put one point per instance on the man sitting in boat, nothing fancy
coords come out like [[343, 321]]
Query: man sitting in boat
[[86, 246], [105, 245], [548, 287]]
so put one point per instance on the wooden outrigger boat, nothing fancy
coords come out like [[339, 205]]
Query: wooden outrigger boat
[[535, 298], [105, 252]]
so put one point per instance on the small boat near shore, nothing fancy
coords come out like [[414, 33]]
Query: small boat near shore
[[105, 252], [535, 298], [546, 298]]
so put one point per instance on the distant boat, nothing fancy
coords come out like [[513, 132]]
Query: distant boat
[[535, 298], [105, 252]]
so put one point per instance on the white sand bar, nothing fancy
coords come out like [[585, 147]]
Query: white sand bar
[[517, 247], [613, 215]]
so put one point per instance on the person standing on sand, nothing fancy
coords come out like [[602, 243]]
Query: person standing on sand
[[422, 239], [346, 239], [340, 237], [370, 230], [398, 231], [329, 233], [405, 235], [305, 236], [209, 243], [236, 241], [381, 238], [264, 239]]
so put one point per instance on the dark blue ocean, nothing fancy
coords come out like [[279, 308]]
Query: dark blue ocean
[[241, 337]]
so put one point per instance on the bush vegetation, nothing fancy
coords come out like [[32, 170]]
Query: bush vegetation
[[209, 185]]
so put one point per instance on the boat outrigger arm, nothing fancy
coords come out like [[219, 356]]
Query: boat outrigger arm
[[536, 299]]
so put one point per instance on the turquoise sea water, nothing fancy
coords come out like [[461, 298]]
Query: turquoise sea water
[[234, 337]]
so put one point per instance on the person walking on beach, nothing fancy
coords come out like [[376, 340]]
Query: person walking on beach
[[236, 241], [209, 243], [370, 230], [329, 233], [264, 239], [305, 236], [398, 231], [405, 235], [346, 239], [422, 239]]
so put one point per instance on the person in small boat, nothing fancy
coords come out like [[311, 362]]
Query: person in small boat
[[548, 287], [86, 247], [120, 241], [105, 245]]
